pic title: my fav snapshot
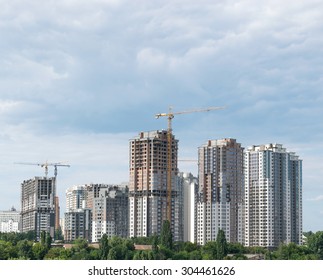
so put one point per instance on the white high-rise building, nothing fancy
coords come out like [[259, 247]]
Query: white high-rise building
[[273, 196], [153, 195], [221, 191], [10, 221], [76, 196], [190, 192], [78, 215]]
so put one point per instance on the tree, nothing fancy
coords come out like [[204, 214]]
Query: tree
[[166, 237], [43, 237], [315, 243], [39, 251], [113, 254], [80, 249], [54, 253], [209, 251], [25, 249], [155, 243], [59, 234], [104, 247], [221, 245], [48, 241]]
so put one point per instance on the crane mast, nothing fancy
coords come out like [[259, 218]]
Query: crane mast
[[170, 115]]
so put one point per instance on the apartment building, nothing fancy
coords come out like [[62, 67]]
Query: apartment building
[[78, 217], [10, 221], [78, 224], [76, 196], [273, 196], [110, 212], [189, 186], [149, 201], [221, 191]]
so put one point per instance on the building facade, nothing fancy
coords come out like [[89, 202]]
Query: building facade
[[78, 216], [78, 224], [38, 205], [10, 221], [110, 212], [221, 191], [273, 196], [150, 200], [189, 187], [76, 196]]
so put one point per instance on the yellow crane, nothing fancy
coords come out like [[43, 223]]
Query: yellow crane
[[170, 115], [45, 165]]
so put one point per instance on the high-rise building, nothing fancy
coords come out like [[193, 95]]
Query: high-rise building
[[148, 201], [110, 212], [273, 196], [38, 205], [78, 224], [76, 196], [221, 191], [10, 221], [78, 216], [189, 187]]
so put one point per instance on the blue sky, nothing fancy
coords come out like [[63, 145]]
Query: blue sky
[[78, 79]]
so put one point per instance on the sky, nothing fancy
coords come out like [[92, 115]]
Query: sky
[[78, 79]]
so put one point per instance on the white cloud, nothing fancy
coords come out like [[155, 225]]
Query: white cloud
[[317, 198], [73, 70]]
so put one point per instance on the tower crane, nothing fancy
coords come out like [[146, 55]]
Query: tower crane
[[45, 165], [170, 115]]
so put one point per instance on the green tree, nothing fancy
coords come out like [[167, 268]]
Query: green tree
[[104, 247], [113, 254], [166, 237], [209, 251], [24, 249], [48, 241], [5, 250], [80, 249], [195, 255], [236, 248], [54, 253], [221, 245], [39, 251], [43, 237], [190, 247], [123, 248], [315, 243], [59, 234], [154, 244]]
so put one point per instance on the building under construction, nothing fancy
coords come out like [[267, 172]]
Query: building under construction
[[149, 199], [38, 205]]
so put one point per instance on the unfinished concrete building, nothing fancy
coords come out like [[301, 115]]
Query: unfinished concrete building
[[149, 163], [38, 205], [221, 191]]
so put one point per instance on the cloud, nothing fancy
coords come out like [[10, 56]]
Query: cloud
[[79, 70], [317, 198]]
